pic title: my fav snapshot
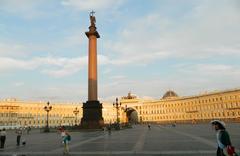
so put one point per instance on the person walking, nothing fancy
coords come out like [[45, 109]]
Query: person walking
[[28, 129], [3, 138], [149, 127], [66, 140], [63, 134], [225, 147], [109, 129], [0, 138], [19, 134]]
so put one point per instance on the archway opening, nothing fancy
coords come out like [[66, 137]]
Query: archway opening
[[132, 116]]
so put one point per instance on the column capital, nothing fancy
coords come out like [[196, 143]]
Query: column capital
[[90, 33]]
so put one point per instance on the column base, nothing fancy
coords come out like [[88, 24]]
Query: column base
[[92, 115]]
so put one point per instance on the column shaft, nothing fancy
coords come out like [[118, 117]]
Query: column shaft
[[92, 69]]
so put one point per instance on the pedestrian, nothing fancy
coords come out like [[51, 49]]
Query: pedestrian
[[3, 138], [0, 138], [63, 134], [19, 134], [149, 127], [66, 140], [225, 147], [28, 129], [174, 125], [109, 129]]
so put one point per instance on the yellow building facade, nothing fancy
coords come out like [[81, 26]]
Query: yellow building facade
[[224, 105], [15, 112]]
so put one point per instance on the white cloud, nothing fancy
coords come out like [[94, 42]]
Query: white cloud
[[188, 79], [92, 4], [211, 71], [64, 92], [18, 84], [77, 37], [7, 64], [65, 66], [210, 29], [25, 8], [52, 66], [118, 77], [12, 49]]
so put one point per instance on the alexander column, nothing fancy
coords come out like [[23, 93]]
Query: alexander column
[[92, 109]]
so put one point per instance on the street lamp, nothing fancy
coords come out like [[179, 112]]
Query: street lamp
[[117, 106], [47, 108], [76, 111]]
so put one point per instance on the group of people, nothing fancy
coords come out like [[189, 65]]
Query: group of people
[[224, 145], [65, 136], [19, 132]]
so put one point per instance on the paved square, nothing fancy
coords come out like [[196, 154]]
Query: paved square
[[190, 140]]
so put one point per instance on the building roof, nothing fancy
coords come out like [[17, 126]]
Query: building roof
[[169, 94]]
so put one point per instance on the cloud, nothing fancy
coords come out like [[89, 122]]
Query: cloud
[[52, 66], [12, 49], [11, 64], [89, 5], [18, 84], [25, 8], [65, 66], [7, 64], [57, 93], [212, 71], [118, 77], [77, 37], [71, 65], [188, 79], [209, 29]]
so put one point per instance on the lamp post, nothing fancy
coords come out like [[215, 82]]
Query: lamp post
[[47, 108], [76, 111], [117, 106]]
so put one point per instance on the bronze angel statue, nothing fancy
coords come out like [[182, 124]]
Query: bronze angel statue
[[92, 18]]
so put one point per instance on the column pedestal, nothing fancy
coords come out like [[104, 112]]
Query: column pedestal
[[92, 115]]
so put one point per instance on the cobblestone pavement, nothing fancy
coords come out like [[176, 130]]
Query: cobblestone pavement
[[182, 140]]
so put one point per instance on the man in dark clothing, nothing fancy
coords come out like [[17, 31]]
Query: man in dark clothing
[[149, 127], [19, 134], [3, 137]]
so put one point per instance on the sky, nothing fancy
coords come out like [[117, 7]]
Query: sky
[[146, 47]]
